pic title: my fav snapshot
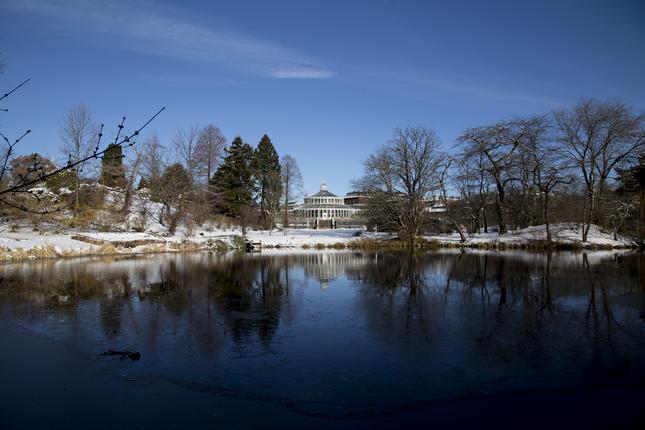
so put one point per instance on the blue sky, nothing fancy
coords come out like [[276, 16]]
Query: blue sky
[[328, 81]]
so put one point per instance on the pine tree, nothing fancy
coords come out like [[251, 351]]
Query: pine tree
[[112, 171], [268, 176], [233, 184]]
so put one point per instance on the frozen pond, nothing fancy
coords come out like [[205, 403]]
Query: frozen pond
[[320, 339]]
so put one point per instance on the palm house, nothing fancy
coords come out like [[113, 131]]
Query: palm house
[[324, 209]]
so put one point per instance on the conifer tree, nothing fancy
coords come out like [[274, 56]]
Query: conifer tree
[[269, 182], [112, 171], [233, 184]]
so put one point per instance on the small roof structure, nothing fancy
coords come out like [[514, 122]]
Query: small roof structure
[[323, 192]]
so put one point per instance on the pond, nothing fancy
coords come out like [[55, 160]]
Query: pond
[[318, 339]]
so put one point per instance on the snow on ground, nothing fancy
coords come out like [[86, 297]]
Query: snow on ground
[[141, 232], [25, 243], [29, 240], [298, 237], [289, 238], [561, 233]]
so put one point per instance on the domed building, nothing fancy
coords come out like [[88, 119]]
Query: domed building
[[324, 209]]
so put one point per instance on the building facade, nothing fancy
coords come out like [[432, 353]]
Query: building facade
[[324, 210]]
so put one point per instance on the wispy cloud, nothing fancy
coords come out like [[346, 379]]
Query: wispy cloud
[[426, 84], [160, 30]]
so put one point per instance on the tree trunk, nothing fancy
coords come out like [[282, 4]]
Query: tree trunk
[[587, 222], [500, 217], [77, 202], [209, 164], [476, 223], [546, 216], [462, 237], [641, 213], [127, 201], [498, 208], [412, 241], [263, 212], [285, 221]]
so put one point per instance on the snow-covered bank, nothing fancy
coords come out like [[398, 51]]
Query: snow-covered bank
[[26, 244], [562, 234]]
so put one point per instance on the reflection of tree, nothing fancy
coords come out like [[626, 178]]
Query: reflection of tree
[[505, 305], [111, 305], [394, 293], [169, 294], [599, 315], [546, 303], [249, 295], [540, 300], [509, 304]]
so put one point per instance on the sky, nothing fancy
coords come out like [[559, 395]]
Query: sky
[[328, 81]]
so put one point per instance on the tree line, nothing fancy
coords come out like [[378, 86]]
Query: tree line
[[584, 165], [194, 178]]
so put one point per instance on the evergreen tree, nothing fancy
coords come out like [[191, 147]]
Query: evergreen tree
[[112, 171], [233, 184], [143, 183], [268, 176]]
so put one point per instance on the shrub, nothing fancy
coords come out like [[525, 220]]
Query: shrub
[[238, 242], [60, 181], [83, 219]]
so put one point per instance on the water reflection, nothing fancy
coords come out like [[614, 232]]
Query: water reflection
[[380, 326]]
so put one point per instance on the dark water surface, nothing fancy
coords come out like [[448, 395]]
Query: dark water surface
[[325, 340]]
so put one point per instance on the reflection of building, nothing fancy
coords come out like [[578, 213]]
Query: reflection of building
[[324, 209], [325, 267]]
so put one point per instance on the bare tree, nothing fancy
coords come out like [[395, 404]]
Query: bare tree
[[498, 144], [153, 161], [291, 184], [132, 172], [185, 142], [544, 168], [406, 171], [378, 182], [472, 182], [620, 213], [79, 134], [25, 185], [443, 176], [209, 150], [175, 194], [596, 137], [631, 187]]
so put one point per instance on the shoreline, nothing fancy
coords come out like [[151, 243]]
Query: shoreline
[[29, 245]]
